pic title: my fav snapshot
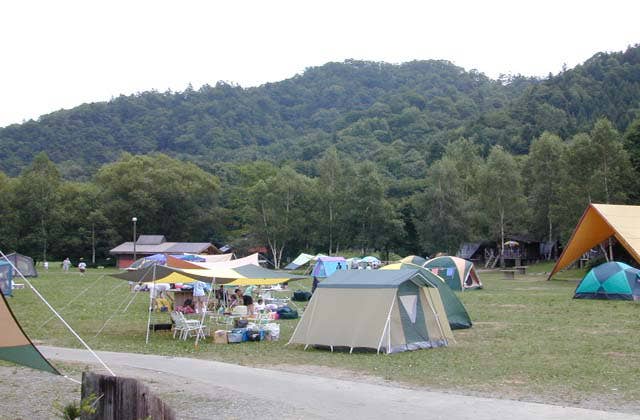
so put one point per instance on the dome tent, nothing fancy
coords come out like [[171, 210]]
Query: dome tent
[[459, 274], [413, 259], [23, 263], [611, 280]]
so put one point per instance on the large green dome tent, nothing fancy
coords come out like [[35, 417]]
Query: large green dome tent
[[458, 273], [611, 280]]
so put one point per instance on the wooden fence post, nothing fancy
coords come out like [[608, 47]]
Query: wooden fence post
[[119, 398]]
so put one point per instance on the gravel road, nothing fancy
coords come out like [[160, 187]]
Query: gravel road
[[201, 389]]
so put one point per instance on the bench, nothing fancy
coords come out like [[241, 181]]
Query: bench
[[521, 269], [509, 274], [17, 286]]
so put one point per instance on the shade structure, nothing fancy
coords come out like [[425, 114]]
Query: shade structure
[[413, 259], [388, 311], [238, 276], [458, 273], [15, 345], [456, 312], [598, 223], [300, 260], [611, 280]]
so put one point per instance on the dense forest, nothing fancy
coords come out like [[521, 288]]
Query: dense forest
[[411, 158]]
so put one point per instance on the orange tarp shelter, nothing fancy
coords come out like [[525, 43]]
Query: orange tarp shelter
[[598, 223]]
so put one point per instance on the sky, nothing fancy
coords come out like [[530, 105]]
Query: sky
[[60, 54]]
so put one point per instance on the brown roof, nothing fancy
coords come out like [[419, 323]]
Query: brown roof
[[165, 248]]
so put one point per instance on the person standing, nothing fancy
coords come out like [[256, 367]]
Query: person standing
[[198, 296], [82, 267], [66, 264]]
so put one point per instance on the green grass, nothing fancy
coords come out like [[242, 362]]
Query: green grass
[[530, 339]]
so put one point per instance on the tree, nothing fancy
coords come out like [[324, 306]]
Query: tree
[[613, 170], [281, 205], [370, 220], [545, 178], [331, 189], [440, 210], [501, 196], [36, 196], [169, 197], [632, 143]]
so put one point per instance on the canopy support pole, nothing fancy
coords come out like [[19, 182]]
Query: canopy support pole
[[58, 315], [204, 313], [151, 293]]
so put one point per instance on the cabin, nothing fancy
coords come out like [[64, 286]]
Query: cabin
[[147, 245]]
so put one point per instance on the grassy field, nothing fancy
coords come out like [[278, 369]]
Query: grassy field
[[529, 341]]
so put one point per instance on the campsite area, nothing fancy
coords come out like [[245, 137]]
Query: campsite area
[[530, 340]]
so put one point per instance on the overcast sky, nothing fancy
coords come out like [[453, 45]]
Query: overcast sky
[[59, 54]]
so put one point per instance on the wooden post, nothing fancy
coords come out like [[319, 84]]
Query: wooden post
[[119, 398]]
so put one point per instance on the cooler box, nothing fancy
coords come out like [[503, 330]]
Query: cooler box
[[220, 337]]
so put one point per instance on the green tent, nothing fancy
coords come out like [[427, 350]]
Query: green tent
[[15, 346], [458, 273], [612, 280], [388, 311], [456, 312]]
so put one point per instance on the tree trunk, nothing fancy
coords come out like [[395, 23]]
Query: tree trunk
[[93, 243], [118, 398], [502, 238], [44, 240]]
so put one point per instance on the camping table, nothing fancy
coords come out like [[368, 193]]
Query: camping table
[[509, 274], [522, 269]]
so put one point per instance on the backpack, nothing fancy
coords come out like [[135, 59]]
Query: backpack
[[301, 296], [287, 313]]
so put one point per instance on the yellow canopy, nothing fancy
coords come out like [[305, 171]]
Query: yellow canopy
[[598, 223]]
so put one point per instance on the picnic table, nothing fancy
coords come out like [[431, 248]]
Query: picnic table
[[509, 274]]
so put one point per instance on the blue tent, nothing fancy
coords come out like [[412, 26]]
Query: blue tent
[[326, 266], [6, 278]]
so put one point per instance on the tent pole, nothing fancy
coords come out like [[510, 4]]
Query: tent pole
[[387, 324], [58, 315], [204, 313], [151, 302]]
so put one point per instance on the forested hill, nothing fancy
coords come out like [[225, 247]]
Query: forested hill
[[376, 111]]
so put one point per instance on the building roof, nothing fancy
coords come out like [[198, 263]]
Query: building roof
[[150, 240], [598, 223], [164, 248]]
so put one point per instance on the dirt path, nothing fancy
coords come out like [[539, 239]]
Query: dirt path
[[229, 391]]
